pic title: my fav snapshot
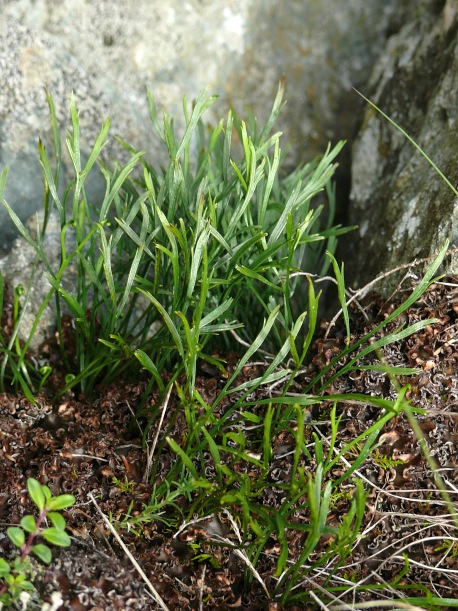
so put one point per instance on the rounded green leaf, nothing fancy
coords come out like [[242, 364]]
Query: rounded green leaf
[[56, 537], [27, 585], [10, 580], [20, 579], [5, 599], [36, 493], [4, 568], [47, 493], [61, 502], [57, 520], [16, 535], [29, 524], [19, 566], [42, 552]]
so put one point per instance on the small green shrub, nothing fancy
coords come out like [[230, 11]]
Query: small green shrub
[[15, 575]]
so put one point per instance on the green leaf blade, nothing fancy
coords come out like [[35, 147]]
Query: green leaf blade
[[56, 536], [36, 493]]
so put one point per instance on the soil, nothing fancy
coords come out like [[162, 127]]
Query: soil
[[89, 448]]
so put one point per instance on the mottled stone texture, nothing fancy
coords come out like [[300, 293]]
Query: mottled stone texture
[[108, 51], [403, 208]]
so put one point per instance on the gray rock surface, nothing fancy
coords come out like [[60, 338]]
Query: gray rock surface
[[403, 208], [17, 266], [108, 51]]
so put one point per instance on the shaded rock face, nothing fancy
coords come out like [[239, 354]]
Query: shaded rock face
[[108, 51], [404, 210], [18, 266]]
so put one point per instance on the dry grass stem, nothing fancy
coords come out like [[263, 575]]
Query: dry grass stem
[[150, 451], [365, 289], [139, 569]]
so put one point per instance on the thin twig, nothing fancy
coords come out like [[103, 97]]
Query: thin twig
[[233, 524], [185, 524], [107, 522], [246, 344], [133, 416], [375, 486], [150, 452], [239, 553], [374, 604], [362, 291], [334, 598], [201, 589], [319, 602], [246, 560]]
